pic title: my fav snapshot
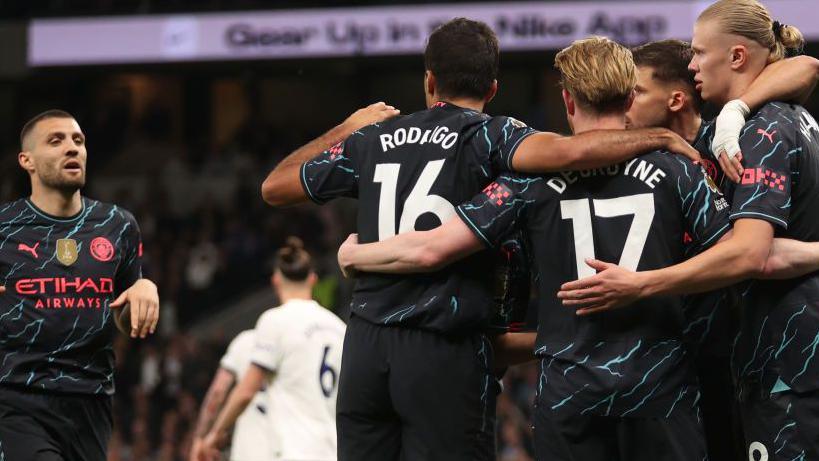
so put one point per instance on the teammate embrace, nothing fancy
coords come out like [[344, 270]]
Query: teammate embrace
[[415, 378]]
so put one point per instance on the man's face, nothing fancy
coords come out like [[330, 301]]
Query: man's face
[[54, 153], [711, 63], [651, 98]]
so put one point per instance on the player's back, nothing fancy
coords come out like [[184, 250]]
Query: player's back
[[630, 361], [634, 214], [408, 174], [301, 343]]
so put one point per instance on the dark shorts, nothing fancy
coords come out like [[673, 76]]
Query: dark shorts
[[415, 395], [780, 426], [723, 431], [37, 426], [614, 438]]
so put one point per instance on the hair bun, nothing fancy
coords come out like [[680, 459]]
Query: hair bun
[[292, 260], [294, 243]]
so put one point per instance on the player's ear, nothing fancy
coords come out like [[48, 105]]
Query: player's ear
[[429, 83], [493, 90], [739, 56], [25, 161], [677, 100], [275, 280], [629, 101], [568, 101], [312, 279]]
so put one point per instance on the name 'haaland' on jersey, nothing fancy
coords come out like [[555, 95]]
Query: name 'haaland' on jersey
[[438, 135]]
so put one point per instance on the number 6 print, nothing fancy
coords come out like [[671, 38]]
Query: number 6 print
[[324, 370]]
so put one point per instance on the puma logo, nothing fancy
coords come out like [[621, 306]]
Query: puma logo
[[28, 249], [766, 134]]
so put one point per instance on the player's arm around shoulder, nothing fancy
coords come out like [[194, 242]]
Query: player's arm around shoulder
[[283, 186], [550, 152], [410, 252]]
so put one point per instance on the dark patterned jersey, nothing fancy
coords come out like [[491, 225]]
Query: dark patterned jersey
[[711, 317], [407, 174], [60, 274], [779, 333], [630, 361]]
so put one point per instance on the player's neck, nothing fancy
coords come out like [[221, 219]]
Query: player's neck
[[55, 202], [295, 294], [687, 124], [739, 86], [466, 103], [583, 122]]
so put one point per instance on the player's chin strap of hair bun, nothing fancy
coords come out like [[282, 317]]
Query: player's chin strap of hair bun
[[777, 30]]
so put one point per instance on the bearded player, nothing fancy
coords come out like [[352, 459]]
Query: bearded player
[[71, 270]]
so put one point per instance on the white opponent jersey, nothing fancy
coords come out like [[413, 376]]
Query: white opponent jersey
[[250, 435], [300, 342]]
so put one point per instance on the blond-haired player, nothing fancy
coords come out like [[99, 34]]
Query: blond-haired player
[[620, 386]]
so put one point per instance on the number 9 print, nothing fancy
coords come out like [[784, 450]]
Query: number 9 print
[[755, 448]]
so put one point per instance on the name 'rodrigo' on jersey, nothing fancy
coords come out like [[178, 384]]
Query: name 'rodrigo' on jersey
[[631, 361], [408, 173], [60, 274]]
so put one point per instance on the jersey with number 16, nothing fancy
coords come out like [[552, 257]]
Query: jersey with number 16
[[408, 173]]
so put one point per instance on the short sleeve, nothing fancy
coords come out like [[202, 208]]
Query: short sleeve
[[129, 244], [232, 358], [267, 349], [502, 136], [705, 209], [496, 210], [765, 189], [333, 173]]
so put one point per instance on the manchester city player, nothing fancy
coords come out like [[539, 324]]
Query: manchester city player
[[774, 354], [666, 96], [609, 386], [415, 381], [69, 264]]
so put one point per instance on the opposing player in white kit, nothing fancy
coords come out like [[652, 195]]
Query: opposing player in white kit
[[250, 436], [297, 356]]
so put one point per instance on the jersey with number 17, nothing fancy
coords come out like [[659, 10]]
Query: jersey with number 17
[[630, 361], [408, 173]]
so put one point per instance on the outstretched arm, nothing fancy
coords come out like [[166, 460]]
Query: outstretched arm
[[410, 252], [791, 258], [792, 79], [550, 152], [283, 186], [741, 256]]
